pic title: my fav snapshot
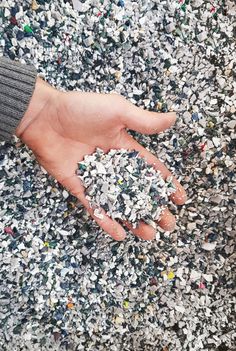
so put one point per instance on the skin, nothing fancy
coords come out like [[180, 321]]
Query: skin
[[61, 128]]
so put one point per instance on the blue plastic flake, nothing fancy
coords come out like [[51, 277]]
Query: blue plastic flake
[[175, 142], [121, 3], [132, 154], [195, 116], [20, 35]]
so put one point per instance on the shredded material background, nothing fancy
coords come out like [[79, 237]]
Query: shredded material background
[[64, 285]]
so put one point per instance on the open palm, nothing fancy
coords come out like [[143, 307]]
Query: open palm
[[64, 131]]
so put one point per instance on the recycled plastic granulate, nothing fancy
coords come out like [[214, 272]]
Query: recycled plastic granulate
[[162, 56], [125, 186]]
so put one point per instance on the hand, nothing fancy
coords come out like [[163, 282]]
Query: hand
[[61, 128]]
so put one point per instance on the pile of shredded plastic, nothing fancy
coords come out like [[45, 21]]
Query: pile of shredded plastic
[[66, 285]]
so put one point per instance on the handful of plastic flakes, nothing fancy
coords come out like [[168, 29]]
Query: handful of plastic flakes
[[125, 186]]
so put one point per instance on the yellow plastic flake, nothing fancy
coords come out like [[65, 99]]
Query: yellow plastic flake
[[120, 181], [170, 275], [46, 244], [167, 72], [142, 257], [211, 124], [34, 5], [118, 75], [119, 320], [159, 105], [215, 171], [126, 304]]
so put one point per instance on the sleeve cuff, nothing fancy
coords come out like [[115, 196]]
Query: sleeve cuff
[[17, 84]]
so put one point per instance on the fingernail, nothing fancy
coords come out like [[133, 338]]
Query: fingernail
[[118, 234], [119, 237]]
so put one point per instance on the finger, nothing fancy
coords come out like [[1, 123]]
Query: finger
[[180, 196], [167, 220], [144, 121], [112, 227], [143, 231]]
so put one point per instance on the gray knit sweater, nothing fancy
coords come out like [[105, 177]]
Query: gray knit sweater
[[17, 83]]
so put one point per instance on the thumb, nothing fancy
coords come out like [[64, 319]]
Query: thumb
[[146, 122]]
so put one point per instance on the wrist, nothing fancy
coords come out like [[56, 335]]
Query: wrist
[[42, 95]]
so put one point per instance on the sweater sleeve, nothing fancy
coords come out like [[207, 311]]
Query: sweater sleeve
[[17, 83]]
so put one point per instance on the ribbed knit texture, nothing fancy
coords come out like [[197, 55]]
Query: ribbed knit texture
[[17, 83]]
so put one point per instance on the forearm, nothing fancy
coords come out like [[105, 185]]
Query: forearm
[[17, 84]]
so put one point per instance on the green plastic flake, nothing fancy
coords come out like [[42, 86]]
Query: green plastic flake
[[82, 167], [167, 64], [28, 29], [183, 7], [109, 10], [52, 244]]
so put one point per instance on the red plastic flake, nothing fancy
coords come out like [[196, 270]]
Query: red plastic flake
[[8, 230], [153, 281], [203, 146], [201, 286], [186, 153], [13, 21], [99, 14], [213, 9]]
